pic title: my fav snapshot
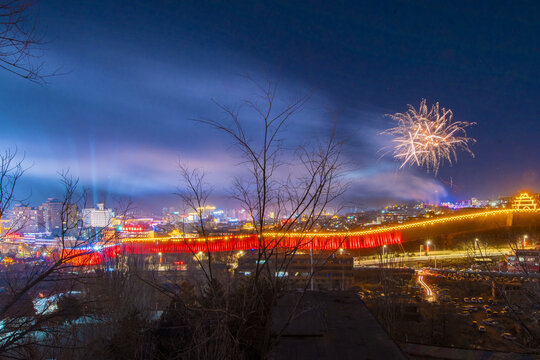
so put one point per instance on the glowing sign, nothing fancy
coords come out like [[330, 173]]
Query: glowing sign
[[132, 228], [13, 236]]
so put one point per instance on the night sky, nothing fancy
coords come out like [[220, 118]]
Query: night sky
[[135, 73]]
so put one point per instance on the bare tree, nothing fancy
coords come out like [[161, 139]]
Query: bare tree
[[11, 171], [521, 307], [521, 302], [21, 41], [286, 191], [195, 197], [275, 183], [28, 307]]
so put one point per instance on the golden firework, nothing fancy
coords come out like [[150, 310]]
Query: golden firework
[[428, 137]]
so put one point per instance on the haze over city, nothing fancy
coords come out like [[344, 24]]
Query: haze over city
[[131, 78]]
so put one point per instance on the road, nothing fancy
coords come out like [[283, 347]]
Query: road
[[433, 256], [429, 292]]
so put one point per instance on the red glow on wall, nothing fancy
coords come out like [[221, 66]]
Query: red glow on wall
[[85, 257], [82, 257], [233, 243], [252, 242]]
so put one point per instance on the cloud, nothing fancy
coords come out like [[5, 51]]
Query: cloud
[[384, 183], [122, 128]]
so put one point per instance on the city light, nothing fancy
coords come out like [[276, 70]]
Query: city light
[[330, 241], [340, 234], [425, 286], [320, 240]]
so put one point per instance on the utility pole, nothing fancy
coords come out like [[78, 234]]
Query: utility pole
[[342, 275], [311, 263]]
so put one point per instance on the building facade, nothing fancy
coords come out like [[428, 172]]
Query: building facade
[[525, 261], [98, 218], [25, 219], [52, 215], [334, 272]]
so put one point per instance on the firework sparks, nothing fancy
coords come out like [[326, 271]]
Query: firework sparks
[[428, 137]]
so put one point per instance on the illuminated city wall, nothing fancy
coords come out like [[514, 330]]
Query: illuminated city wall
[[250, 242], [361, 239]]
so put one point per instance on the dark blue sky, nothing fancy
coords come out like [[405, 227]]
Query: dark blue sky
[[136, 72]]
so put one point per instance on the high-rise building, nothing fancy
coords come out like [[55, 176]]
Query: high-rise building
[[99, 217], [52, 215], [25, 219]]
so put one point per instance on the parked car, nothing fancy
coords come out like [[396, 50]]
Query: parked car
[[482, 329], [508, 336]]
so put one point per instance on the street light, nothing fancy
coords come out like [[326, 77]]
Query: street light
[[383, 248], [525, 237], [428, 243]]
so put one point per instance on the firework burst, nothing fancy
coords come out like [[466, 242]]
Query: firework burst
[[428, 137]]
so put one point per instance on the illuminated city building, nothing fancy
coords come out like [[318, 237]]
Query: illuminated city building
[[219, 216], [4, 226], [525, 261], [99, 217], [26, 219], [46, 218], [524, 201], [52, 210], [393, 214]]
